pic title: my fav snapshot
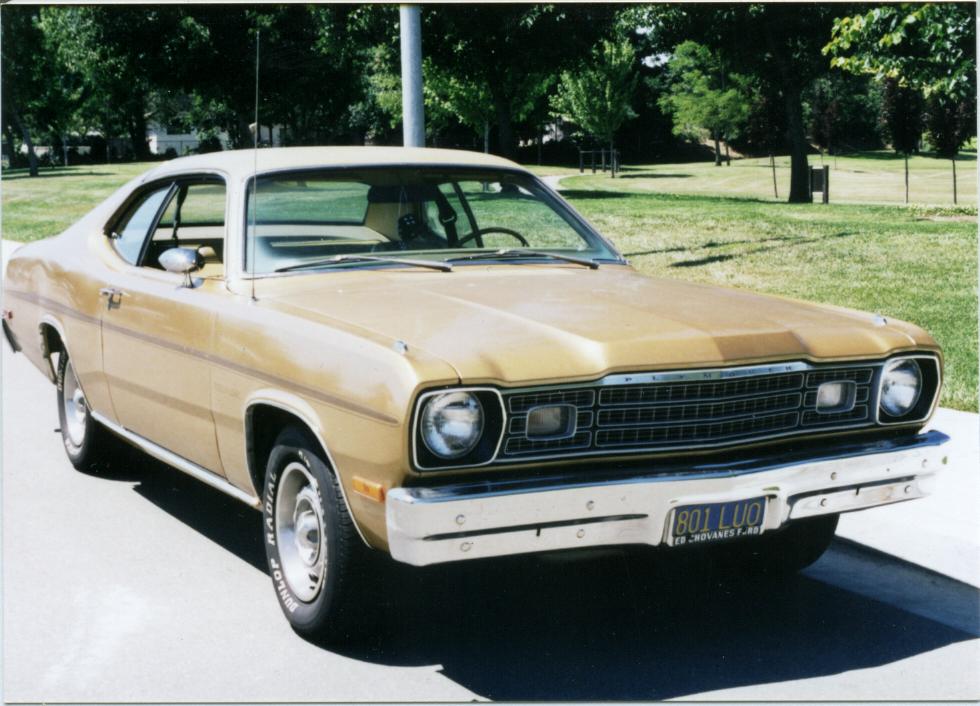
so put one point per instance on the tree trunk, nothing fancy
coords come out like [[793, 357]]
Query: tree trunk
[[612, 159], [953, 160], [540, 141], [241, 136], [506, 144], [8, 132], [25, 134], [799, 191], [906, 177], [728, 156], [772, 163], [717, 148], [137, 134]]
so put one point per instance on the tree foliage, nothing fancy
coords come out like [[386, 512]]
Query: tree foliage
[[330, 73], [949, 123], [598, 95], [902, 109], [780, 44], [930, 46], [702, 98], [510, 51], [843, 112]]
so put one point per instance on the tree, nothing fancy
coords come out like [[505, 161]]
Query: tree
[[510, 51], [779, 42], [35, 98], [598, 96], [949, 123], [121, 55], [449, 97], [843, 112], [765, 124], [902, 118], [698, 99], [930, 46]]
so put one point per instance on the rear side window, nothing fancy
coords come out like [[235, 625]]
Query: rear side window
[[132, 229]]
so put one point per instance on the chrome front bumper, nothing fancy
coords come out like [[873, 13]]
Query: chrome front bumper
[[487, 518]]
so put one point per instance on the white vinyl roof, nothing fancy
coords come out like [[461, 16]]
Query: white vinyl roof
[[240, 164]]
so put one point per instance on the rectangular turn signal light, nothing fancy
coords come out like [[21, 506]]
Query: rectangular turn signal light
[[369, 489]]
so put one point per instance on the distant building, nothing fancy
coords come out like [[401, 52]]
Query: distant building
[[181, 139], [184, 140]]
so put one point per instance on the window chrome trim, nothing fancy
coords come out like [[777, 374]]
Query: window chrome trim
[[417, 413], [690, 375]]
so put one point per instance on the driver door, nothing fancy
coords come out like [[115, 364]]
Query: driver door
[[157, 334]]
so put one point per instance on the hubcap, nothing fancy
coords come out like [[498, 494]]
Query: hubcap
[[76, 408], [299, 532]]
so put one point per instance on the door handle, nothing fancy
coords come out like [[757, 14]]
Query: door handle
[[112, 295]]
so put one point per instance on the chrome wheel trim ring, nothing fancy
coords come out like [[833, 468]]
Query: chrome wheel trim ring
[[75, 407], [299, 532]]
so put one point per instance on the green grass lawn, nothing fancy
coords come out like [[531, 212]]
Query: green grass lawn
[[913, 264], [46, 205], [917, 263], [872, 177]]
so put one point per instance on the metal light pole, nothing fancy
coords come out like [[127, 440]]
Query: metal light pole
[[413, 117]]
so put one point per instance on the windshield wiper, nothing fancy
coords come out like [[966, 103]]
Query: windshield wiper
[[341, 259], [518, 254]]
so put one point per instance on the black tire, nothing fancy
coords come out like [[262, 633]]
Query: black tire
[[88, 444], [786, 551], [329, 615]]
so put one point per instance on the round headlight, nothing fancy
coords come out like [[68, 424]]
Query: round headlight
[[452, 424], [901, 383]]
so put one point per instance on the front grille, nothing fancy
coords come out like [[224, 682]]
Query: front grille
[[681, 411]]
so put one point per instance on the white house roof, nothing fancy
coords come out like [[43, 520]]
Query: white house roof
[[243, 163]]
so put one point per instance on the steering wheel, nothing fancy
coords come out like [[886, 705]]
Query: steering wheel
[[484, 231]]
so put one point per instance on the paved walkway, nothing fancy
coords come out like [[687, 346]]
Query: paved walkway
[[554, 181]]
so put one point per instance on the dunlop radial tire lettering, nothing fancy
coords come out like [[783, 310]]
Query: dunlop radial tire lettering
[[325, 610]]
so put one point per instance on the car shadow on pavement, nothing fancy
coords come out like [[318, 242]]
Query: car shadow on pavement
[[634, 625], [218, 517], [620, 624]]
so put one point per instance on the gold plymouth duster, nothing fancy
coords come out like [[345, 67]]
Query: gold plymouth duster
[[428, 352]]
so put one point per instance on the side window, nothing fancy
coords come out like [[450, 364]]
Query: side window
[[194, 218], [133, 227], [198, 212]]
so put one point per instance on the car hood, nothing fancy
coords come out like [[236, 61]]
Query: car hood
[[534, 323]]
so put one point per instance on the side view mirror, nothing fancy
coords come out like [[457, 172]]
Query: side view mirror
[[182, 261]]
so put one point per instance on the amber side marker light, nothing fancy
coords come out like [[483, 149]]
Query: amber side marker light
[[369, 489]]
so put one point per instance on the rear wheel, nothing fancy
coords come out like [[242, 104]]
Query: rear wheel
[[316, 558], [86, 442]]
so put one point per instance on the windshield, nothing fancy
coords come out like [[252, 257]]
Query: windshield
[[303, 218]]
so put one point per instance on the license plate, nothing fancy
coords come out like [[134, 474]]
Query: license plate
[[713, 522]]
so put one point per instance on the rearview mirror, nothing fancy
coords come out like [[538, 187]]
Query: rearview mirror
[[182, 261]]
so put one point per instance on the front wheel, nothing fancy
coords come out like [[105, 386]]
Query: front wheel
[[785, 551], [315, 555]]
